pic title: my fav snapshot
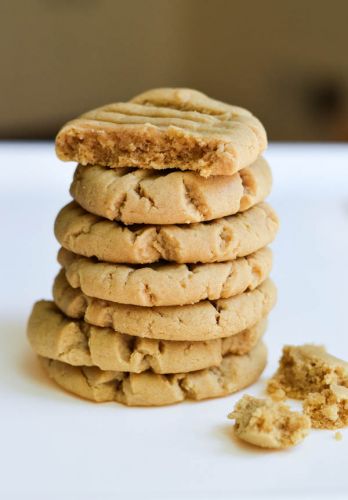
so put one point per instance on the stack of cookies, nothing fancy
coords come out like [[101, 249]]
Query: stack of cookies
[[164, 289]]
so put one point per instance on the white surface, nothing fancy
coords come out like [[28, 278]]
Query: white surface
[[54, 445]]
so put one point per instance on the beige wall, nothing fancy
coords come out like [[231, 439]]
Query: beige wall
[[59, 58]]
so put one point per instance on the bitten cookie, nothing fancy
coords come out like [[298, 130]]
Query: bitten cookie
[[165, 284], [53, 335], [205, 320], [138, 196], [165, 128], [215, 241], [150, 389]]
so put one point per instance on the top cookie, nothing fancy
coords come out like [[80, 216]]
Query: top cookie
[[165, 128]]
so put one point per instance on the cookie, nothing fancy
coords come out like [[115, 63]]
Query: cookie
[[217, 241], [165, 284], [162, 129], [205, 320], [150, 389], [267, 424], [137, 196], [304, 369], [53, 335]]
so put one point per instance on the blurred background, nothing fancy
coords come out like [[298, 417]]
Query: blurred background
[[285, 60]]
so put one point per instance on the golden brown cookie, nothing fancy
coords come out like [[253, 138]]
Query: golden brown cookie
[[165, 284], [150, 389], [267, 424], [165, 128], [205, 320], [138, 196], [53, 335], [215, 241]]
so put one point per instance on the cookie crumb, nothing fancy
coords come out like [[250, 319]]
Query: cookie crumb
[[338, 436], [275, 391], [268, 424], [329, 408]]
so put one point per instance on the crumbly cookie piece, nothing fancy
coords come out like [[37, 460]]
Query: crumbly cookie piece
[[215, 241], [165, 128], [165, 284], [138, 196], [150, 389], [53, 335], [267, 424], [305, 369], [205, 320], [328, 409]]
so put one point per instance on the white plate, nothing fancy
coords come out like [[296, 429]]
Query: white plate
[[53, 444]]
